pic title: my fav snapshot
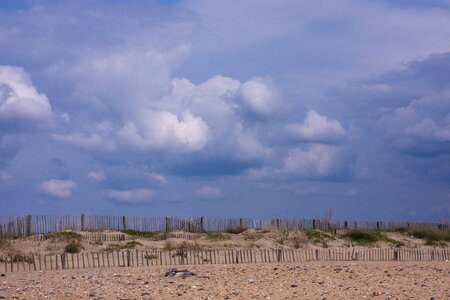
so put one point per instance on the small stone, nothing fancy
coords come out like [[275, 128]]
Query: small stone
[[376, 293], [2, 275], [294, 285]]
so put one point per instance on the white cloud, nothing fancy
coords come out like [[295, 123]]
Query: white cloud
[[261, 173], [258, 95], [58, 188], [209, 192], [86, 141], [317, 128], [5, 176], [159, 178], [317, 161], [65, 117], [19, 100], [96, 176], [164, 130], [352, 192], [133, 196]]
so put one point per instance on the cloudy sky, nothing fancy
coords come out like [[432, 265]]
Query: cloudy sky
[[238, 108]]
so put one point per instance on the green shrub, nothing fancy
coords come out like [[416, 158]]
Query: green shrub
[[364, 237], [320, 235], [65, 236], [217, 236], [236, 230], [73, 247], [144, 234], [131, 244]]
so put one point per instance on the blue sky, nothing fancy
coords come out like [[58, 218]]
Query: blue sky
[[248, 108]]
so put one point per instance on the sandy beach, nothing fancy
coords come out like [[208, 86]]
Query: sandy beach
[[312, 280]]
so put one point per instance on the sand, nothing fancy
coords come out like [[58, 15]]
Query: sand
[[312, 280]]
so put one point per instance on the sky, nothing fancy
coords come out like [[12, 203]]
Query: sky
[[258, 109]]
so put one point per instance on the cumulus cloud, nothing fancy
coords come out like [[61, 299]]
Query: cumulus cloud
[[259, 96], [155, 177], [352, 193], [5, 176], [58, 188], [132, 196], [209, 192], [317, 128], [259, 173], [164, 130], [96, 176], [248, 147], [317, 161], [19, 99], [91, 141], [420, 128]]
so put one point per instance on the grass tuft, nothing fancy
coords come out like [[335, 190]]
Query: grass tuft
[[144, 234], [65, 236], [217, 236], [364, 237], [73, 247], [236, 230]]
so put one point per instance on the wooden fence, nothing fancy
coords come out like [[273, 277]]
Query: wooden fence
[[87, 236], [147, 258], [22, 226]]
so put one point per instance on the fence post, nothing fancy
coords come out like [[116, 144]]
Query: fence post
[[201, 224], [83, 222], [278, 255], [124, 221], [29, 225], [395, 254]]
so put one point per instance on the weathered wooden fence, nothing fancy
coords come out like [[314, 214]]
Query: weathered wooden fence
[[22, 226], [87, 236], [137, 258]]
